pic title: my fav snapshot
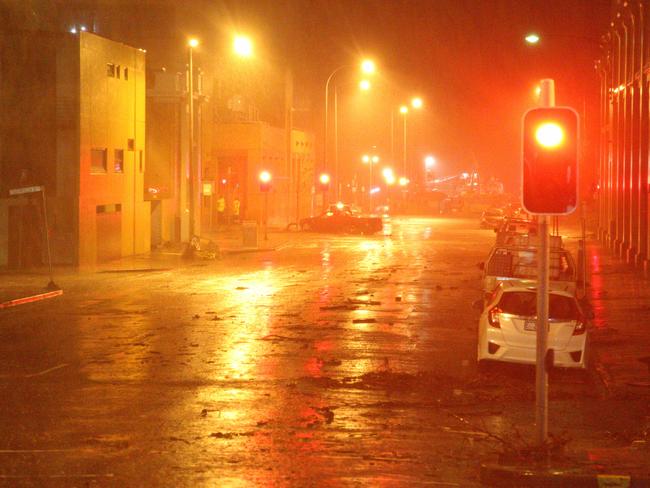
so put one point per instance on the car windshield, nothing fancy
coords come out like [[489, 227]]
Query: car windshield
[[524, 304]]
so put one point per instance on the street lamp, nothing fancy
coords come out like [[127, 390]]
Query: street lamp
[[242, 46], [364, 85], [389, 176], [429, 162], [532, 38], [416, 103], [367, 67], [194, 180]]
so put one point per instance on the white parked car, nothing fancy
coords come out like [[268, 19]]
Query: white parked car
[[507, 327]]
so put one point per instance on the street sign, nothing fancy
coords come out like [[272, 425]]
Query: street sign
[[24, 190]]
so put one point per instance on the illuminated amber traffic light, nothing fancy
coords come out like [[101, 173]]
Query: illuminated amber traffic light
[[550, 160]]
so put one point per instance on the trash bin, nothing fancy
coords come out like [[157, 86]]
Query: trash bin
[[249, 233]]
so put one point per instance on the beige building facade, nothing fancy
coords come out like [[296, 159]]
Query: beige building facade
[[76, 125]]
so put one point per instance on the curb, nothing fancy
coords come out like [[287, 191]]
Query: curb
[[33, 298], [519, 476]]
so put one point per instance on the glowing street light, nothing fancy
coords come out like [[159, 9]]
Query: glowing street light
[[532, 38], [389, 176], [404, 110], [193, 42], [403, 181], [368, 67], [242, 46], [429, 162], [417, 102]]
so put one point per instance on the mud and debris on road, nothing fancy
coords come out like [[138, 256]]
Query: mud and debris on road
[[358, 369]]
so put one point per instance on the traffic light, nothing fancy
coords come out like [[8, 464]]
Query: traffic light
[[550, 160], [265, 181], [324, 182]]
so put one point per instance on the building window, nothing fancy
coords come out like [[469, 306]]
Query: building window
[[98, 160], [126, 73], [110, 70], [118, 161], [141, 160], [130, 144]]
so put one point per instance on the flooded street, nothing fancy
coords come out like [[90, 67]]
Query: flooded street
[[332, 361]]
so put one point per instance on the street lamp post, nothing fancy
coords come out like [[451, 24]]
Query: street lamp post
[[404, 110], [370, 160], [193, 185], [368, 67]]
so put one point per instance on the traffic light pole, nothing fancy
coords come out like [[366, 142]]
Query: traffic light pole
[[547, 99]]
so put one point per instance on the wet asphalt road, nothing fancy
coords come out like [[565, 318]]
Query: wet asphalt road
[[332, 361]]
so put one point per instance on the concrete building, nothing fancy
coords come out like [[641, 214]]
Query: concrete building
[[242, 150], [73, 120], [622, 188]]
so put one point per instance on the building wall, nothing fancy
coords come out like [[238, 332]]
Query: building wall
[[243, 150], [622, 193], [112, 122]]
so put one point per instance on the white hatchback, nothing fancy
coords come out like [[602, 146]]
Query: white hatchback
[[507, 327]]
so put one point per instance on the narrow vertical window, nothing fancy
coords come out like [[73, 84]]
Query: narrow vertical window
[[118, 161]]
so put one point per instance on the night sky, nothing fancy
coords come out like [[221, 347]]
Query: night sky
[[466, 58]]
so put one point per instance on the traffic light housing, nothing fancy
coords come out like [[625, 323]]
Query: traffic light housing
[[550, 160], [265, 181], [324, 182]]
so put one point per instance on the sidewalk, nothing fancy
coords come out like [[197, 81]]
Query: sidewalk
[[215, 245], [620, 336]]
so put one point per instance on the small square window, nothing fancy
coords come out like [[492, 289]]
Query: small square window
[[118, 161], [110, 70], [130, 144], [98, 160]]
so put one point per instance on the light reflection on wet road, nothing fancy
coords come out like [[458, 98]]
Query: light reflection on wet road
[[334, 361]]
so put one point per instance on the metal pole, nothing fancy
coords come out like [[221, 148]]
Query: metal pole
[[51, 285], [190, 101], [392, 135], [404, 150], [547, 99], [541, 373], [336, 143], [266, 215]]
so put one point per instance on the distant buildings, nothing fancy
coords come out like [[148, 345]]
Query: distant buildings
[[78, 108]]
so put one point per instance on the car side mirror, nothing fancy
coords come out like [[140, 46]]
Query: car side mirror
[[477, 304], [480, 266]]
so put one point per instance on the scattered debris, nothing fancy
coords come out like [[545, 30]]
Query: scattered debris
[[369, 320]]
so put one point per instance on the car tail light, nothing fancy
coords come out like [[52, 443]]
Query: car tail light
[[580, 327], [493, 317]]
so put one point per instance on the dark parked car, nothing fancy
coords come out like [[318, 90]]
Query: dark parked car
[[492, 218], [341, 218]]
